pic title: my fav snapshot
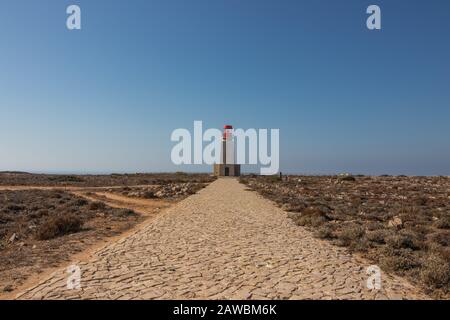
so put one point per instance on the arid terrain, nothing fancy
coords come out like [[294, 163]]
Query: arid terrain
[[111, 180], [222, 243], [208, 238], [46, 219], [400, 223]]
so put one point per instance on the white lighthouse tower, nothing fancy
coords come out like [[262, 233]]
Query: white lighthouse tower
[[228, 166]]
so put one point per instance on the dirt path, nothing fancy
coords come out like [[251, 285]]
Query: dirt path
[[147, 208], [224, 242]]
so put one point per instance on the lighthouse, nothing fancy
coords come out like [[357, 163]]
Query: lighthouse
[[227, 165]]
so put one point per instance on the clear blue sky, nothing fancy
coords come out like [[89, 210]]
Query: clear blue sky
[[106, 98]]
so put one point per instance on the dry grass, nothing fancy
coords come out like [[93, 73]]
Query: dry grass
[[22, 179], [41, 228], [400, 223], [58, 226]]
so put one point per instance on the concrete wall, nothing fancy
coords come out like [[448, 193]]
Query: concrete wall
[[234, 170]]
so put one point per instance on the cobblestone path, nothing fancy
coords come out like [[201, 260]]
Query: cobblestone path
[[223, 243]]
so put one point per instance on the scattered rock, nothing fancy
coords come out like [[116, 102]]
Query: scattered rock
[[8, 288], [13, 238], [396, 222], [160, 194]]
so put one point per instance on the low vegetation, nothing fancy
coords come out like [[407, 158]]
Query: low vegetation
[[58, 225], [29, 179], [161, 191], [400, 223], [42, 228]]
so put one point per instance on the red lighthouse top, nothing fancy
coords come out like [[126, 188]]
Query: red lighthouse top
[[227, 131]]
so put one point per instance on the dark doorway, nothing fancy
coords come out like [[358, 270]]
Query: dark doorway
[[227, 171]]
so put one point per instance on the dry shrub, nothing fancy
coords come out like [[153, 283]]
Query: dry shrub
[[15, 208], [350, 233], [399, 260], [361, 245], [374, 225], [378, 236], [411, 215], [297, 207], [347, 178], [421, 201], [312, 217], [97, 206], [39, 213], [125, 213], [405, 239], [149, 194], [441, 237], [325, 232], [436, 272], [56, 195], [443, 223], [80, 202], [58, 226], [445, 253]]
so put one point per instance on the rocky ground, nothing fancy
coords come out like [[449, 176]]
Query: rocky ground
[[164, 191], [400, 223], [42, 228], [29, 179], [46, 219], [222, 243]]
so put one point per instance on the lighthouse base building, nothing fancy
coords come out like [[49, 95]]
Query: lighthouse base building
[[232, 170]]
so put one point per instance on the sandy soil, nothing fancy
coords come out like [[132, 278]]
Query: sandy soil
[[79, 246]]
